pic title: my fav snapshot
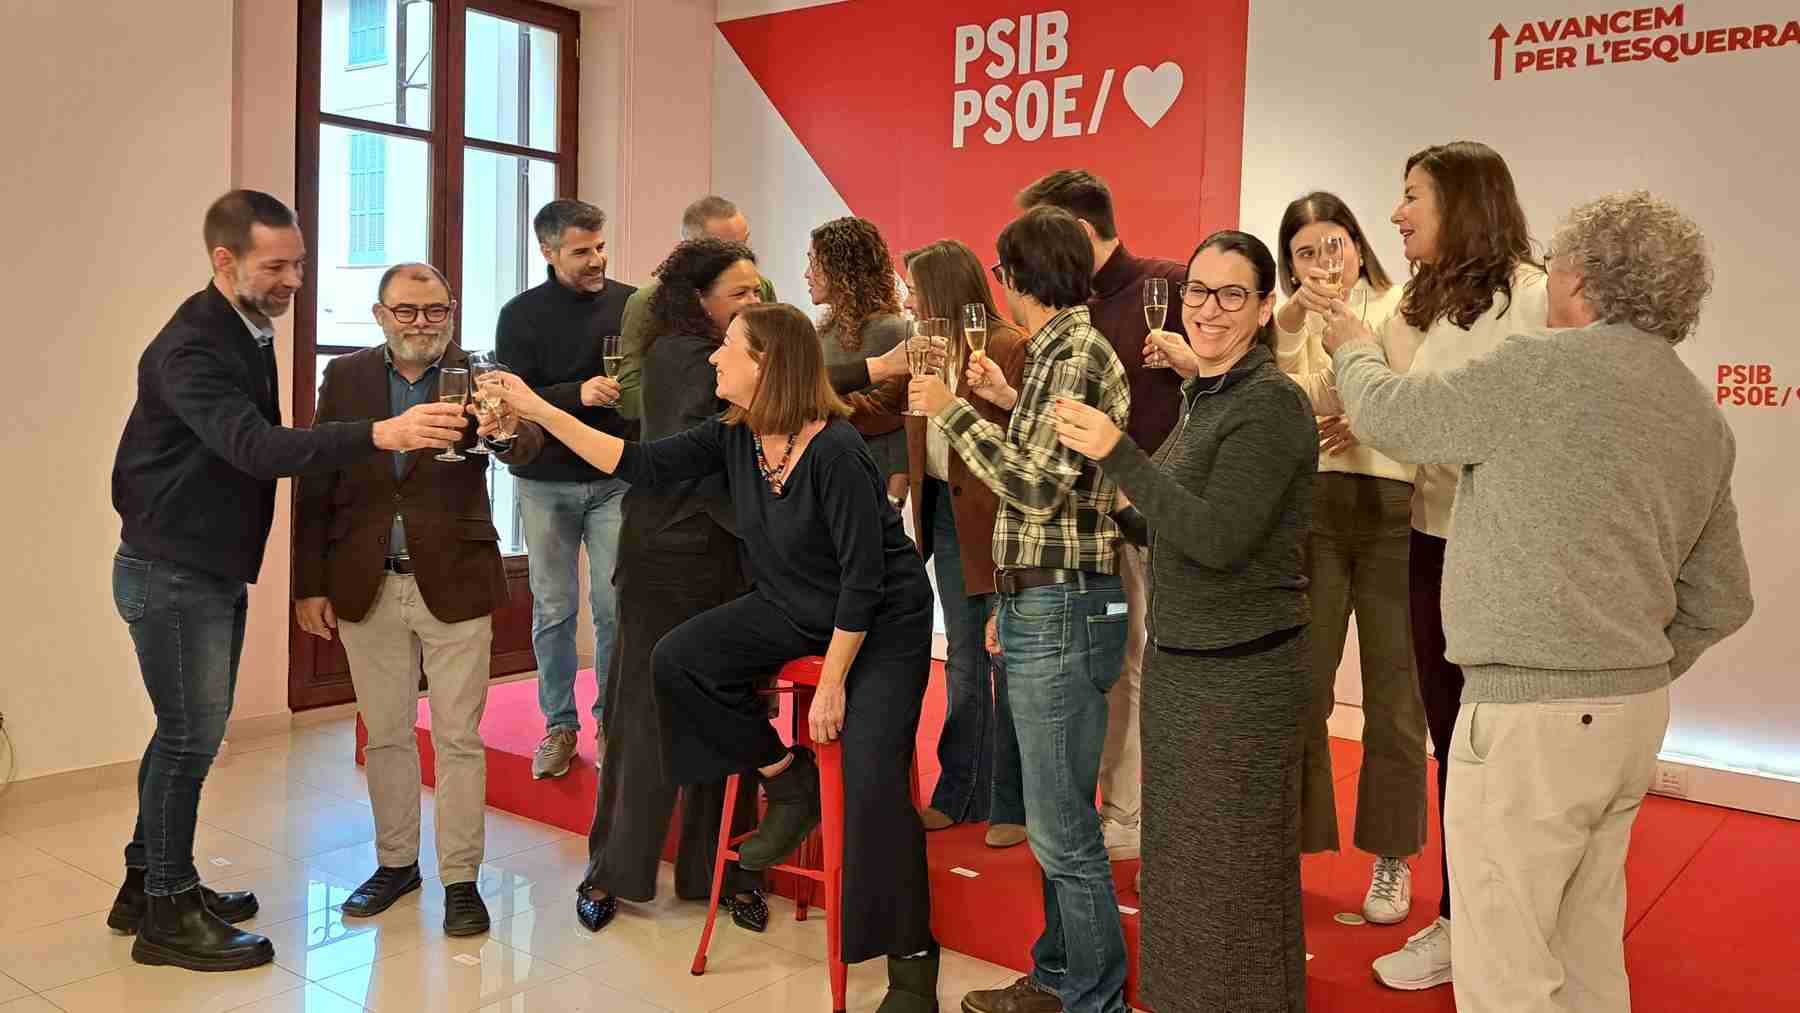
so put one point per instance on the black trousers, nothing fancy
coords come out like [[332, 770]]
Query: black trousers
[[664, 577], [1440, 682], [706, 671]]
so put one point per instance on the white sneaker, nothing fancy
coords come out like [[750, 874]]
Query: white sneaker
[[1424, 962], [1389, 899], [1122, 839]]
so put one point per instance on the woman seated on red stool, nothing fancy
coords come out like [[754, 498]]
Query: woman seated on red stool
[[836, 575]]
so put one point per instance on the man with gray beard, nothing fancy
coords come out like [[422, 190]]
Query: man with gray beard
[[398, 556]]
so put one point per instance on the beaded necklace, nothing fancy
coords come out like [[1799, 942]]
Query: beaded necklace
[[773, 475]]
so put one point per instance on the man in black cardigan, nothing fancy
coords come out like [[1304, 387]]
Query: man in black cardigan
[[194, 485]]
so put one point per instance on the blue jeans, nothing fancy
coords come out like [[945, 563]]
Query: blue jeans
[[188, 627], [966, 747], [1063, 646], [559, 518]]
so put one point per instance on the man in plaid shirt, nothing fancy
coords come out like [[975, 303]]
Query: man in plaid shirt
[[1061, 621]]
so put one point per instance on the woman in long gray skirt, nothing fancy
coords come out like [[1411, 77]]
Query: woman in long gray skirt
[[1225, 508], [678, 557]]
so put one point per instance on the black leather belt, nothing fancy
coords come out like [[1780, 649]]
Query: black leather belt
[[1025, 578], [399, 564]]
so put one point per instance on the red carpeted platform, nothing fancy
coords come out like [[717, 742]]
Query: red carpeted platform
[[1709, 924]]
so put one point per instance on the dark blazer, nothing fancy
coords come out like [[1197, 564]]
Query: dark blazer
[[342, 520], [973, 503], [194, 477]]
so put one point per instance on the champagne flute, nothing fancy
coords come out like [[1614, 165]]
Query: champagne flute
[[924, 340], [487, 392], [481, 364], [612, 356], [1156, 313], [975, 332], [453, 388], [1331, 261]]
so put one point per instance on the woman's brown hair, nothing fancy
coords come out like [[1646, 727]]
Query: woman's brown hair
[[792, 388], [948, 276], [1482, 236], [858, 274]]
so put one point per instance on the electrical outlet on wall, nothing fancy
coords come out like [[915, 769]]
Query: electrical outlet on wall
[[1671, 780]]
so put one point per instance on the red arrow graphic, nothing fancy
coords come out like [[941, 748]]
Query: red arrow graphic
[[1499, 35]]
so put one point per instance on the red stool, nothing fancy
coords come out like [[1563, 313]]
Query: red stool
[[823, 852]]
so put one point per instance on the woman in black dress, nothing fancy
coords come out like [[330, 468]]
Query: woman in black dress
[[835, 575], [678, 557]]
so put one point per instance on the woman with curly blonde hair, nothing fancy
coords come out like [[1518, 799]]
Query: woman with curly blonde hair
[[850, 272], [1596, 557]]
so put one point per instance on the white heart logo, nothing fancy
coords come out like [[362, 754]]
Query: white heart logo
[[1150, 93]]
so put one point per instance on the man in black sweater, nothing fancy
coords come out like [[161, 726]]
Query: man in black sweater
[[194, 485], [550, 336]]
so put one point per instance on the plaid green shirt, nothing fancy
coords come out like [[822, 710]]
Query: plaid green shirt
[[1053, 502]]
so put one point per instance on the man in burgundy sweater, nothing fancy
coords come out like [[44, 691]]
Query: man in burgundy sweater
[[1117, 309]]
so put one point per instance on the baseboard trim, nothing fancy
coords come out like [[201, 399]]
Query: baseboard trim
[[52, 787], [1702, 780]]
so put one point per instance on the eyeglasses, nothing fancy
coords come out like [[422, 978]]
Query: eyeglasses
[[1231, 297], [999, 274], [436, 313]]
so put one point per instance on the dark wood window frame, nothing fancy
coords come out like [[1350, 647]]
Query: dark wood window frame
[[448, 143]]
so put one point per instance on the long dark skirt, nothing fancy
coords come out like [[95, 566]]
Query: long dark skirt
[[1222, 735], [664, 578], [706, 671]]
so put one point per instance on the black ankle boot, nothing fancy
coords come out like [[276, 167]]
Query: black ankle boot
[[792, 814], [912, 984], [128, 907], [180, 931]]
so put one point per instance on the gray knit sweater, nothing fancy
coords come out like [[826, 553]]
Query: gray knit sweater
[[1594, 547], [1227, 507]]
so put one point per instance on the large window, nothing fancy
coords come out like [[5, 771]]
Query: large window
[[430, 130]]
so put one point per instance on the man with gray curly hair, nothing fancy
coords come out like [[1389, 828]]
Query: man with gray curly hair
[[1596, 556]]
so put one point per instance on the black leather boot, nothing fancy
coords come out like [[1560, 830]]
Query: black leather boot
[[128, 907], [178, 930], [912, 984], [792, 814]]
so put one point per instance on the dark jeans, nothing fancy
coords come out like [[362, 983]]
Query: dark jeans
[[189, 630], [1063, 646], [966, 746], [1440, 682]]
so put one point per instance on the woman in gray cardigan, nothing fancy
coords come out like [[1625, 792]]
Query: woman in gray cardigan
[[1225, 507]]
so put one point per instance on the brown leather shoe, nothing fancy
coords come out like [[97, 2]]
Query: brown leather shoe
[[935, 820], [1022, 996], [1005, 835]]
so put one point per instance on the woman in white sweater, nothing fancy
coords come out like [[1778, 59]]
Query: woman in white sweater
[[1475, 281], [1357, 550]]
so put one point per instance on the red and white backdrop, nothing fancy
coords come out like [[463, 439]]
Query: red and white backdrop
[[928, 117]]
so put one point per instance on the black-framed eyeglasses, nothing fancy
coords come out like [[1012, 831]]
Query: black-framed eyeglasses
[[436, 313], [999, 273], [1231, 297]]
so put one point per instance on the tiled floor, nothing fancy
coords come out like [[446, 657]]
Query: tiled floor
[[287, 816]]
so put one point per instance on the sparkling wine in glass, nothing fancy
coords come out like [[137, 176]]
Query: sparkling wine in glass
[[453, 388], [1156, 313], [928, 336], [1331, 261], [612, 356], [486, 401], [975, 332]]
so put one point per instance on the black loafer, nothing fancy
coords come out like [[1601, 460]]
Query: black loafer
[[465, 913], [129, 906], [752, 914], [594, 913], [380, 891], [793, 812]]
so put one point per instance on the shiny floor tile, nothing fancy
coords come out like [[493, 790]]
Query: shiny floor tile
[[637, 960], [324, 943], [141, 989], [15, 819], [287, 890], [867, 986], [310, 998], [447, 976], [28, 1004], [301, 829], [11, 989], [20, 859], [576, 993], [64, 952], [358, 862], [57, 895]]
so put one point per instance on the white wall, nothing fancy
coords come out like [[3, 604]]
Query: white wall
[[108, 173]]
